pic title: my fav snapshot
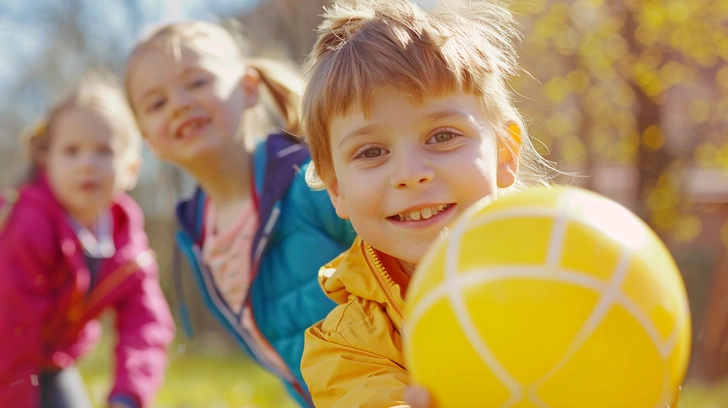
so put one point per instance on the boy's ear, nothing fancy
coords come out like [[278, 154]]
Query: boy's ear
[[337, 199], [249, 83], [508, 155], [132, 168]]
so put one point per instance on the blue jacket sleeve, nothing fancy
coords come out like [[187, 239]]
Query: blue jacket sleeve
[[316, 207]]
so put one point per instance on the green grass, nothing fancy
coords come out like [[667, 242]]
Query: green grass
[[209, 373], [201, 374], [697, 395]]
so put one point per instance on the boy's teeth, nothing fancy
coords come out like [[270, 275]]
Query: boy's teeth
[[424, 213]]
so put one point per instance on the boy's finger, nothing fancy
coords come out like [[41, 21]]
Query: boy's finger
[[417, 397]]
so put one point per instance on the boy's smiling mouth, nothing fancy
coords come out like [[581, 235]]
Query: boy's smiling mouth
[[422, 213]]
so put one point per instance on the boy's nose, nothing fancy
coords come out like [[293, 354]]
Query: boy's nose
[[411, 169]]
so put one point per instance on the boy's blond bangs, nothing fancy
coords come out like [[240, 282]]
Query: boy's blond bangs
[[399, 45]]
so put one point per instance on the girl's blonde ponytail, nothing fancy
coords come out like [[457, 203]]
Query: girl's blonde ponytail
[[284, 88]]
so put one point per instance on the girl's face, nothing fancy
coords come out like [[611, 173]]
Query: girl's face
[[84, 162], [189, 107]]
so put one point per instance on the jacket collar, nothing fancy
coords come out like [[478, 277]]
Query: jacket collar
[[361, 272]]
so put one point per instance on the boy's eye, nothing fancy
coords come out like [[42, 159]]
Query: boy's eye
[[370, 152], [442, 137]]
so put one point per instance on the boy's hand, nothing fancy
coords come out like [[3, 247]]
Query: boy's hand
[[417, 397]]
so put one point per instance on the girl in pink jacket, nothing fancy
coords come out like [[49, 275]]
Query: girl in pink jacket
[[72, 245]]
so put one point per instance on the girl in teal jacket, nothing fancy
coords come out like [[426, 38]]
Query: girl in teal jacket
[[253, 232]]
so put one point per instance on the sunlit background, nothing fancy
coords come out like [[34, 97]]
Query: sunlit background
[[630, 94]]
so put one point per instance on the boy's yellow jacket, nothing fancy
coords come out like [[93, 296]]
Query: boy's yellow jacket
[[353, 358]]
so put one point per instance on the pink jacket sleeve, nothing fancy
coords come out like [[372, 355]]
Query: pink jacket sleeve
[[145, 328], [27, 256]]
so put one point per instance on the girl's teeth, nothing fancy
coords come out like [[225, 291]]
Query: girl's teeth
[[415, 215]]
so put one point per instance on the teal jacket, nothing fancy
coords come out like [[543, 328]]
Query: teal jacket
[[299, 232]]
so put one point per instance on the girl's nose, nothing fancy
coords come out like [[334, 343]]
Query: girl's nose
[[181, 103]]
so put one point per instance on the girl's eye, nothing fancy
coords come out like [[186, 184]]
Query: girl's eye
[[105, 150], [71, 150], [370, 152], [156, 105], [198, 82]]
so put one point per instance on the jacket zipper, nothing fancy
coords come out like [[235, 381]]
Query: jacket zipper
[[242, 333], [384, 279], [257, 255], [112, 281]]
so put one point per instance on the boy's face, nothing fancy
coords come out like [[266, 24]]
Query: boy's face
[[405, 171]]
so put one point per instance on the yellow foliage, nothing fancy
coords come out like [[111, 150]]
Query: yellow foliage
[[723, 157], [646, 35], [532, 7], [651, 57], [706, 155], [625, 149], [600, 139], [687, 228], [699, 111], [652, 138], [578, 81], [625, 98], [673, 72], [616, 47], [623, 121], [677, 11], [566, 41], [559, 124], [573, 149], [653, 15], [557, 89]]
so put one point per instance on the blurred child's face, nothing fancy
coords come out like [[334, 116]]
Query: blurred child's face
[[405, 171], [84, 162], [190, 105]]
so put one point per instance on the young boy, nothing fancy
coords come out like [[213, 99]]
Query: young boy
[[409, 120]]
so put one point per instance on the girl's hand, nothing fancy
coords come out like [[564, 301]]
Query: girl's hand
[[417, 397]]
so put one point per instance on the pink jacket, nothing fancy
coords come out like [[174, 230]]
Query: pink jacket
[[47, 314]]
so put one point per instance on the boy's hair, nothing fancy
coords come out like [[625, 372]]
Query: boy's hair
[[97, 91], [457, 46], [281, 80]]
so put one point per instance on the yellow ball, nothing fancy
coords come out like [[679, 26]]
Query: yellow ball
[[548, 298]]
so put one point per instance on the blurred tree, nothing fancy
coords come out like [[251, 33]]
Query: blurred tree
[[630, 83], [634, 93]]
